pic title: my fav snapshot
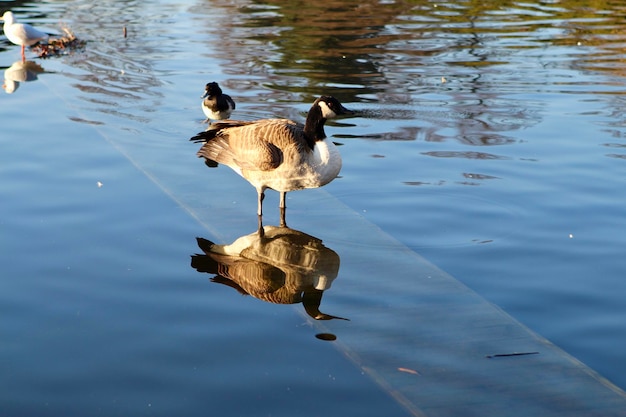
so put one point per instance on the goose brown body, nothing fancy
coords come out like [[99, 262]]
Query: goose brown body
[[266, 154], [276, 153]]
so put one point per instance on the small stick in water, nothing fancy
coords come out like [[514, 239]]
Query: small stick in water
[[500, 355]]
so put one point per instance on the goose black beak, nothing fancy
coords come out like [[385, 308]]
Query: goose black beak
[[343, 110]]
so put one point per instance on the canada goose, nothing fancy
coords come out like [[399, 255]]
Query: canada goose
[[21, 33], [215, 104], [276, 153]]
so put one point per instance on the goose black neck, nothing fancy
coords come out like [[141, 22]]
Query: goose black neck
[[314, 126]]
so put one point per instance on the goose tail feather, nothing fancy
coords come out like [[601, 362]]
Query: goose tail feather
[[217, 150], [215, 129], [203, 137]]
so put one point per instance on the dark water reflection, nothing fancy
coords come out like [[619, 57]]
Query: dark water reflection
[[396, 54], [409, 58]]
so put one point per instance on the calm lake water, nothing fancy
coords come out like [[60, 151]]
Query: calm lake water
[[489, 139]]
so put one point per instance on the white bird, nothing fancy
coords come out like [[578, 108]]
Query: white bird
[[215, 104], [21, 33], [276, 153]]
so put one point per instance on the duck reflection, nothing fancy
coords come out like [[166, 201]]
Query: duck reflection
[[282, 266], [20, 71]]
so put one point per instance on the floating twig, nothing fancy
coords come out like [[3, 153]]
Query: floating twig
[[501, 355], [409, 371]]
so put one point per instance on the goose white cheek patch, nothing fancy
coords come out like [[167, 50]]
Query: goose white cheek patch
[[327, 113]]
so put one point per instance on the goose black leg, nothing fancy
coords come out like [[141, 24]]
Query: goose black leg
[[261, 230], [283, 209], [259, 210], [260, 213]]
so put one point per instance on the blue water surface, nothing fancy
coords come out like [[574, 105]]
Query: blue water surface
[[489, 140]]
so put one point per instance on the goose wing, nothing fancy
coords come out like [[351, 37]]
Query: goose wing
[[257, 146]]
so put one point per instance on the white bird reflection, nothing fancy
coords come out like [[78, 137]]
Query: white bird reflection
[[283, 266], [18, 72]]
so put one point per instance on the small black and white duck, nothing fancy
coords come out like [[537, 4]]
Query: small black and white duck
[[215, 104], [276, 153]]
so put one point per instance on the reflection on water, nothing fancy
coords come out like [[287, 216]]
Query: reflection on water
[[116, 74], [457, 94], [465, 59], [284, 266], [386, 56], [19, 72]]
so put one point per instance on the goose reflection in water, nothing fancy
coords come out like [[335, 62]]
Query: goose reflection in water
[[282, 266], [20, 71]]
